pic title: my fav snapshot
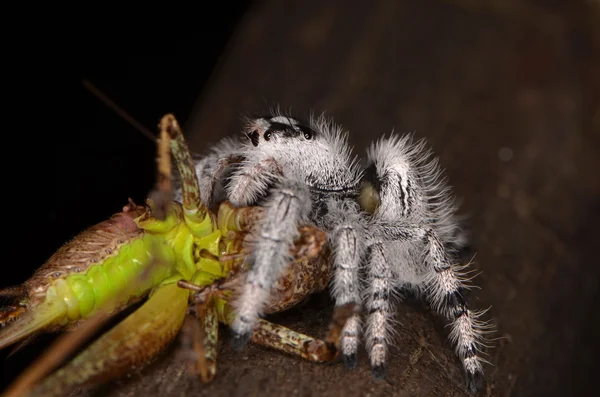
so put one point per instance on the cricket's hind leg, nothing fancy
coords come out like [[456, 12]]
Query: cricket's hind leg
[[13, 304], [286, 340]]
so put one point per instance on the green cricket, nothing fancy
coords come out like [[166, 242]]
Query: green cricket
[[185, 261]]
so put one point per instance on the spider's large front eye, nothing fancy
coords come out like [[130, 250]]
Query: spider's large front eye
[[369, 198], [267, 135]]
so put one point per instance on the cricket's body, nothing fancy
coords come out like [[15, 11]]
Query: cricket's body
[[131, 253], [173, 254], [135, 250]]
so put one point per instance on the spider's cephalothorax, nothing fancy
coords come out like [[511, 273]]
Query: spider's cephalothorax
[[391, 221]]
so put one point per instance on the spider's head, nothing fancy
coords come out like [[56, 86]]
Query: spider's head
[[277, 129]]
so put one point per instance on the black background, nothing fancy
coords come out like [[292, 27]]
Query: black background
[[71, 161]]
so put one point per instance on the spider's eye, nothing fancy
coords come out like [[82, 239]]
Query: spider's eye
[[267, 135], [307, 132], [369, 198]]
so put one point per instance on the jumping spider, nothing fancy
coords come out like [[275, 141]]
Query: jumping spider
[[391, 225]]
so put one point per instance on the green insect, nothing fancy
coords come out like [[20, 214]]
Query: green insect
[[183, 259]]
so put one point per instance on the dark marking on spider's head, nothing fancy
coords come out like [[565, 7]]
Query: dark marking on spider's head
[[280, 127]]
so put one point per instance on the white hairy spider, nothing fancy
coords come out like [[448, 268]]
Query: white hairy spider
[[391, 226]]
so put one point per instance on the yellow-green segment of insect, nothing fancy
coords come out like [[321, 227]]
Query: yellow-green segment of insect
[[173, 254]]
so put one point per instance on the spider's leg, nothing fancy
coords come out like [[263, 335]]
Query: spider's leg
[[379, 308], [285, 207], [348, 245], [445, 285]]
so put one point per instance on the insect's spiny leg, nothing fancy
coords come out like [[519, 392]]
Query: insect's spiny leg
[[379, 308], [445, 286], [162, 195], [277, 231], [19, 291], [17, 297], [283, 339], [200, 339], [10, 313], [189, 181]]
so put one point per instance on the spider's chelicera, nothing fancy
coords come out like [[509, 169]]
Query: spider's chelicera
[[391, 226]]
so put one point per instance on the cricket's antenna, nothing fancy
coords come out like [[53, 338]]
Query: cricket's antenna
[[98, 94]]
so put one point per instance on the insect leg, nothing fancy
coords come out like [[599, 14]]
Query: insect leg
[[194, 208], [17, 296], [284, 339], [200, 338], [119, 349], [284, 209]]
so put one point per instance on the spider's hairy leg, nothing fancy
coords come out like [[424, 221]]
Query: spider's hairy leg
[[379, 308], [285, 208], [348, 252], [445, 286], [410, 201]]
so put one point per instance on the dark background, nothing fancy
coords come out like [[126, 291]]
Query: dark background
[[80, 160], [520, 75]]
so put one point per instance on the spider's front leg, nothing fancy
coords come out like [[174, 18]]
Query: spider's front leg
[[286, 207], [347, 240]]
